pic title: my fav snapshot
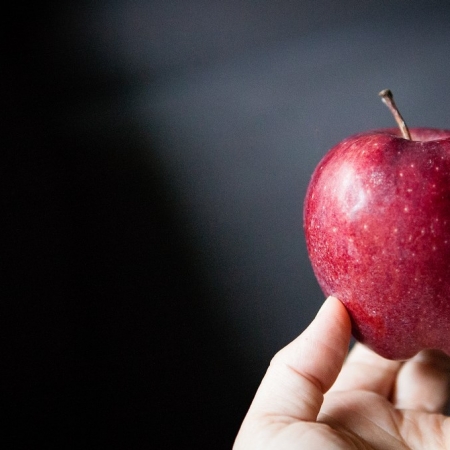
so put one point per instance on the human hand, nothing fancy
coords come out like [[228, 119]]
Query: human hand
[[311, 399]]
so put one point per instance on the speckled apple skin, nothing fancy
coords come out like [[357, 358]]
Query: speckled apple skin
[[377, 228]]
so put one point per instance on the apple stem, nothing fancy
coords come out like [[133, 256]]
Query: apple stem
[[388, 100]]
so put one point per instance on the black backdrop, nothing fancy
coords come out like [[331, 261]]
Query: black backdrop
[[155, 158]]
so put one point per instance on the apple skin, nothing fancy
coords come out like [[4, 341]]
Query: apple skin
[[377, 228]]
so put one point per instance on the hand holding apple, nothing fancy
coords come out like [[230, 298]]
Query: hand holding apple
[[377, 228]]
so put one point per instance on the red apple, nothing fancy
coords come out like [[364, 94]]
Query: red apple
[[377, 228]]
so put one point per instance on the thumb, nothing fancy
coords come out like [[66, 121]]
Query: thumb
[[303, 371]]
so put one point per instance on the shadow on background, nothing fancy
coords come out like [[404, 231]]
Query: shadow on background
[[156, 159]]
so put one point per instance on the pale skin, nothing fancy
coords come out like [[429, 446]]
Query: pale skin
[[315, 396]]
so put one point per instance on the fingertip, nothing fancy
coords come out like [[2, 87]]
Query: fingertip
[[326, 341], [330, 302], [335, 309]]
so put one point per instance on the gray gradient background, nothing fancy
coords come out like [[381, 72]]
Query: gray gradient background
[[161, 152]]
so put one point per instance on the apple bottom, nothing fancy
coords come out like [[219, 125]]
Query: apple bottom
[[403, 329]]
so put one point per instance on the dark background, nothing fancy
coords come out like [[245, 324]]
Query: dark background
[[155, 159]]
